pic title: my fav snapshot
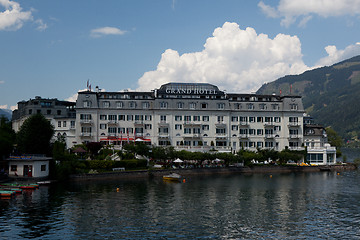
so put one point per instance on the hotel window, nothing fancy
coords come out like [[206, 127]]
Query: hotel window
[[269, 132], [129, 117], [187, 118], [58, 112], [243, 119], [139, 117], [234, 127], [112, 130], [103, 117], [220, 131], [221, 106], [187, 130], [129, 130], [30, 111], [277, 128], [87, 104], [163, 105], [269, 144], [112, 117], [86, 129], [250, 106], [293, 119], [121, 130], [163, 118], [259, 144], [48, 112], [148, 126], [64, 123], [251, 144], [106, 104], [196, 130], [85, 117], [178, 126], [220, 119], [277, 119], [205, 118], [293, 106], [262, 106], [192, 105], [203, 105], [260, 131], [178, 118], [252, 119], [145, 105], [180, 105], [268, 119], [252, 131], [237, 105], [205, 127], [72, 124], [132, 104], [259, 119], [196, 118], [121, 117], [243, 131], [59, 123], [275, 106], [102, 126], [119, 104], [234, 118], [148, 117]]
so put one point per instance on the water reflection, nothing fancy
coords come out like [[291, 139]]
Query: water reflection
[[293, 206]]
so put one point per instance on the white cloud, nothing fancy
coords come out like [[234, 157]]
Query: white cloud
[[41, 25], [290, 10], [236, 60], [335, 55], [99, 32], [13, 18]]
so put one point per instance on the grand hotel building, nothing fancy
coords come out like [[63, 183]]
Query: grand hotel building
[[192, 116]]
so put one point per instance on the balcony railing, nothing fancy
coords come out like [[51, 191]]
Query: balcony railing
[[86, 121]]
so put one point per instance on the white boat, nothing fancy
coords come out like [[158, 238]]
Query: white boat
[[172, 177]]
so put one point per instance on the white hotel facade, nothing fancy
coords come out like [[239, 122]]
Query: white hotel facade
[[191, 116]]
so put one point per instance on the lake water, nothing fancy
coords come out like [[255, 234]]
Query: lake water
[[321, 205]]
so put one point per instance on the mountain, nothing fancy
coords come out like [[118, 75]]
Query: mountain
[[6, 112], [331, 95]]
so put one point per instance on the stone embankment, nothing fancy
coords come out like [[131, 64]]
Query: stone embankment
[[211, 171]]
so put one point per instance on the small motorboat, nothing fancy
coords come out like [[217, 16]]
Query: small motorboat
[[172, 177]]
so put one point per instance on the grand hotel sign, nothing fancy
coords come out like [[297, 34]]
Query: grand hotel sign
[[200, 91]]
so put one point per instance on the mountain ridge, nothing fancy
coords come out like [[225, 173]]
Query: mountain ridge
[[331, 95]]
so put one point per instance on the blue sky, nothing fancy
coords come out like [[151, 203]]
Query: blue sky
[[51, 48]]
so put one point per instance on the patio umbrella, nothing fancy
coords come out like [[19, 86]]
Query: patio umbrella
[[178, 160]]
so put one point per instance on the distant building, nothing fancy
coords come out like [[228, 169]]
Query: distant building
[[61, 115], [319, 151], [28, 166], [191, 116]]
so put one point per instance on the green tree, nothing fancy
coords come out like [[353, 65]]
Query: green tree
[[34, 135], [335, 140], [7, 138]]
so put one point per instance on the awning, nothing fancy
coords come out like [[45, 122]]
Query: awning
[[130, 139]]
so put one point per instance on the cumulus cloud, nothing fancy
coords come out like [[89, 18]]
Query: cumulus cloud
[[335, 55], [41, 26], [236, 60], [291, 10], [13, 17], [99, 32]]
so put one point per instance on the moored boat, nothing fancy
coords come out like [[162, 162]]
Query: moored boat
[[172, 177]]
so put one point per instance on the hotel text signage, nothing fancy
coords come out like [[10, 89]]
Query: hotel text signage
[[190, 91]]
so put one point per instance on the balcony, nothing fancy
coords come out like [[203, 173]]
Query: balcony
[[193, 136], [112, 122], [269, 136], [294, 124], [163, 135], [163, 123], [85, 134], [294, 136], [86, 121], [220, 124], [269, 124], [190, 123], [244, 124], [139, 123], [243, 136]]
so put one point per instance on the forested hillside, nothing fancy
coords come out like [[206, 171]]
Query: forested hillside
[[330, 94]]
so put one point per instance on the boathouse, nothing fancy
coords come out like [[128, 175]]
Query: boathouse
[[29, 166]]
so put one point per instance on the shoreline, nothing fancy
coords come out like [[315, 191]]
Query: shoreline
[[210, 171]]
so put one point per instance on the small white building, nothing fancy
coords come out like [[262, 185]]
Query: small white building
[[29, 166], [319, 151]]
